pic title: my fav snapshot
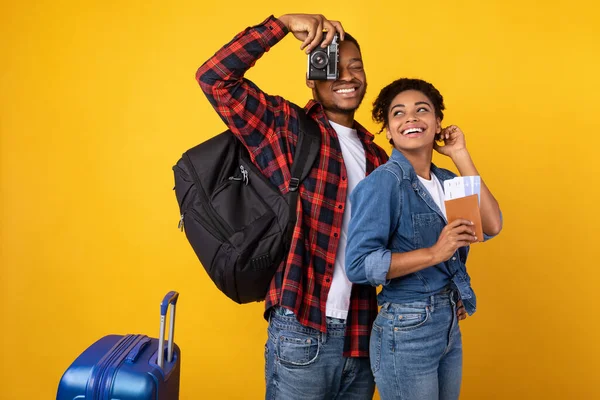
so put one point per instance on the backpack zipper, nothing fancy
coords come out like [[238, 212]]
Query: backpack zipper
[[215, 218], [180, 224], [216, 233], [244, 177], [221, 236]]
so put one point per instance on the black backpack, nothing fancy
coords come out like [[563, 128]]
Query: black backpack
[[239, 224]]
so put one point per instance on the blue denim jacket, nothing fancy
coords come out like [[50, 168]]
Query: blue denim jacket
[[392, 212]]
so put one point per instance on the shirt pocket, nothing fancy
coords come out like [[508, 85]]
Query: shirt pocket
[[426, 229]]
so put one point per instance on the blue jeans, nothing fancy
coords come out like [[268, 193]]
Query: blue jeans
[[416, 349], [303, 363]]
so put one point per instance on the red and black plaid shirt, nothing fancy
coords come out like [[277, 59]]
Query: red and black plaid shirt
[[268, 127]]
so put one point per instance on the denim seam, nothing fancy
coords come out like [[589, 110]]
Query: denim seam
[[378, 347], [452, 325], [294, 328], [391, 171], [413, 327], [307, 354]]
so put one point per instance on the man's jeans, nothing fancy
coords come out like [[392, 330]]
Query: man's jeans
[[416, 349], [303, 363]]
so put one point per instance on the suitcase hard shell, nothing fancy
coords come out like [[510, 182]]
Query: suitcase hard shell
[[127, 367]]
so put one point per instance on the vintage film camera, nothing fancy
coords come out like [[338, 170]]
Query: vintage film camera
[[323, 62]]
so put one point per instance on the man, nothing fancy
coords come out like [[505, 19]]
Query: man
[[319, 323]]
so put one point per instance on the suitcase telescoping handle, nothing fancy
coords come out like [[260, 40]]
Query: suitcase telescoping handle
[[168, 302]]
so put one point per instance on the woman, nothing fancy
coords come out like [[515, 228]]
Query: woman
[[399, 238]]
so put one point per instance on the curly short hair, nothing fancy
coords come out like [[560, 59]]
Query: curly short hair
[[349, 38], [382, 103]]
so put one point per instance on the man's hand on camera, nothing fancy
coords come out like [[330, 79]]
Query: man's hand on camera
[[310, 28]]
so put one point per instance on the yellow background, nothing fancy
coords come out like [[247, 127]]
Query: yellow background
[[98, 101]]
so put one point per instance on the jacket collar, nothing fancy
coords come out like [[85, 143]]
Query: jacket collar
[[408, 172]]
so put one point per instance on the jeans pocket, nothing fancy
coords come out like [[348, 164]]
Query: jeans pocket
[[375, 347], [411, 319], [297, 349]]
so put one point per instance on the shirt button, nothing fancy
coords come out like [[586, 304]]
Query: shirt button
[[327, 280], [335, 235], [340, 206], [329, 265], [343, 178], [453, 258]]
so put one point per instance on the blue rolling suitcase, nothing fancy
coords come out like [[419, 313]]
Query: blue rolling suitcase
[[128, 367]]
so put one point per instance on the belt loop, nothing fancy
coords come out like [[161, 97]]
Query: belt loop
[[323, 337], [432, 306]]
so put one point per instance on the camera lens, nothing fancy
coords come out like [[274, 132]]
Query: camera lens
[[319, 59]]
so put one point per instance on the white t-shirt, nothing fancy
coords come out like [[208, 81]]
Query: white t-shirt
[[338, 299], [434, 187]]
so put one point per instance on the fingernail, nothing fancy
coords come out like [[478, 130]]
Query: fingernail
[[475, 237]]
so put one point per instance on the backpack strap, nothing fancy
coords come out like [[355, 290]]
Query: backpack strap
[[307, 151]]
